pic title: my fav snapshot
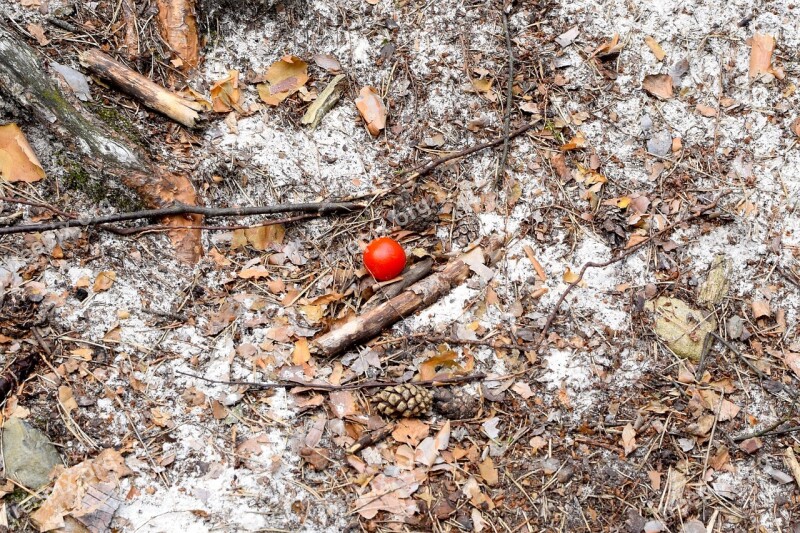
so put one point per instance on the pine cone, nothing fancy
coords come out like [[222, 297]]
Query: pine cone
[[405, 400], [456, 404]]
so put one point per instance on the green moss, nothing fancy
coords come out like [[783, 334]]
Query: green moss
[[117, 122], [76, 178], [17, 496]]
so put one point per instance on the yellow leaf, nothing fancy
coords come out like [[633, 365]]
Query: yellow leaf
[[104, 281], [445, 359], [313, 313], [17, 160], [372, 109], [225, 93], [577, 142], [571, 277], [283, 78], [301, 354], [655, 48]]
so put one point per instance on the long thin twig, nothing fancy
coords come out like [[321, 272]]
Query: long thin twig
[[321, 208], [509, 92], [290, 384], [633, 249], [425, 168]]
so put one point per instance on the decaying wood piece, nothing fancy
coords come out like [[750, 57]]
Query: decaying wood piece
[[178, 24], [419, 295], [143, 89], [24, 79], [413, 275]]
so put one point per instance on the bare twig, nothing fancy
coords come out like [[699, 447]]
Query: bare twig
[[371, 438], [509, 91], [426, 168], [319, 208]]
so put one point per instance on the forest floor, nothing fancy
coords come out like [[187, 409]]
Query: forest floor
[[604, 427]]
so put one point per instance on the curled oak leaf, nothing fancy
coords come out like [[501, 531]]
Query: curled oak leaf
[[372, 109]]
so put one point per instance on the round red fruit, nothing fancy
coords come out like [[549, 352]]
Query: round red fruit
[[384, 258]]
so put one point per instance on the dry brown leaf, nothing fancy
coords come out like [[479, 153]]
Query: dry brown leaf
[[610, 47], [372, 109], [391, 494], [38, 34], [301, 353], [488, 472], [342, 403], [658, 85], [751, 445], [576, 143], [792, 361], [104, 281], [86, 492], [225, 93], [283, 78], [426, 453], [17, 160], [523, 389], [761, 48], [655, 48], [328, 62], [410, 431], [795, 126], [160, 418], [706, 110], [537, 443], [634, 240], [629, 439], [66, 399], [442, 439], [254, 273], [760, 309]]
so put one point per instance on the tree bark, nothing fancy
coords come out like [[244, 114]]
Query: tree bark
[[417, 296], [143, 89], [24, 78], [178, 24]]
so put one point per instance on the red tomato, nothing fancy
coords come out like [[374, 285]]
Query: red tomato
[[384, 258]]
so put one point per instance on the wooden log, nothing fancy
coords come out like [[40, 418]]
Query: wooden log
[[143, 89], [417, 296], [178, 24], [25, 80]]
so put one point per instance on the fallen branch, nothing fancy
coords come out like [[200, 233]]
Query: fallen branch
[[143, 89], [307, 386], [387, 292], [25, 80], [319, 208], [633, 249], [421, 294]]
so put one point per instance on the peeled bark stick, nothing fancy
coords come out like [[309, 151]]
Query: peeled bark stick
[[150, 94], [419, 295], [24, 79]]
